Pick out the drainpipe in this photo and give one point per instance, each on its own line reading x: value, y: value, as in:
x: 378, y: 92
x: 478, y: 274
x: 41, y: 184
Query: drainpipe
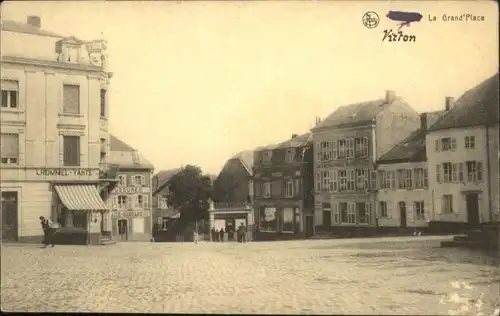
x: 488, y: 175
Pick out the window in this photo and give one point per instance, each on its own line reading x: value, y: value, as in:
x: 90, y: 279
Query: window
x: 470, y: 142
x: 140, y: 201
x: 447, y: 169
x: 71, y: 99
x: 9, y: 148
x: 318, y: 182
x: 447, y: 144
x: 350, y: 180
x: 71, y: 150
x: 123, y: 202
x: 373, y: 179
x: 461, y: 172
x: 290, y: 155
x: 336, y: 213
x: 342, y: 149
x: 164, y: 223
x: 343, y: 212
x: 288, y: 224
x: 138, y: 180
x: 267, y: 220
x: 383, y: 209
x: 289, y: 188
x: 358, y: 147
x: 334, y: 150
x: 326, y: 151
x: 447, y: 203
x: 326, y: 180
x: 327, y: 214
x: 267, y: 189
x: 267, y: 156
x: 404, y: 179
x: 365, y: 147
x: 392, y: 177
x: 474, y: 171
x: 438, y: 173
x: 10, y: 93
x: 123, y: 180
x: 351, y: 213
x: 383, y: 179
x: 362, y: 212
x: 361, y: 179
x: 103, y: 102
x: 419, y: 211
x: 334, y: 184
x: 454, y: 172
x: 426, y: 178
x: 419, y: 178
x: 350, y: 148
x: 343, y: 180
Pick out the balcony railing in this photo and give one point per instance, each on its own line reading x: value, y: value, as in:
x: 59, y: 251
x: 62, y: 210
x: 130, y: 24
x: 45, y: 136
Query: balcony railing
x: 108, y: 171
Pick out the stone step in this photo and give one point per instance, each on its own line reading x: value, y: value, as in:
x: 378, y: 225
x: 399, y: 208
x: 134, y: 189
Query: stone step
x: 107, y: 242
x: 471, y: 244
x: 463, y: 238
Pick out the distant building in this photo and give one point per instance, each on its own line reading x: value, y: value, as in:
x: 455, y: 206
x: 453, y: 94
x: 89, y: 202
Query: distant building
x: 347, y: 145
x: 233, y: 194
x: 403, y: 199
x: 54, y: 131
x: 463, y: 156
x: 131, y: 217
x: 283, y: 182
x: 162, y: 211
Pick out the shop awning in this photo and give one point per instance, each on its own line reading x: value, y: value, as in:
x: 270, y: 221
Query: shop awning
x: 83, y: 197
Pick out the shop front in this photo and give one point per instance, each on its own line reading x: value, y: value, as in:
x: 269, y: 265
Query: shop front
x: 228, y: 218
x: 279, y: 220
x: 131, y: 225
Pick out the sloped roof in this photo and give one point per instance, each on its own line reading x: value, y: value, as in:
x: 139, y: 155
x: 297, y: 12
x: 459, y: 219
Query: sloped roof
x: 297, y: 141
x: 19, y: 27
x: 125, y: 156
x: 410, y: 149
x: 477, y: 106
x: 356, y: 113
x: 165, y: 175
x: 246, y: 159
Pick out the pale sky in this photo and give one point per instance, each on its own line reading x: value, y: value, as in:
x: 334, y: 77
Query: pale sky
x: 196, y: 82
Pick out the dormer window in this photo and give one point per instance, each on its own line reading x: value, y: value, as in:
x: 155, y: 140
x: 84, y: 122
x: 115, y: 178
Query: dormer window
x: 266, y: 157
x: 69, y: 50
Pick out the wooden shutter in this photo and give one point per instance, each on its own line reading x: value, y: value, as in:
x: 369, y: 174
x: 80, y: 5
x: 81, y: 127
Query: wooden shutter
x: 479, y: 171
x: 297, y: 189
x: 454, y: 170
x: 129, y: 200
x: 318, y: 151
x: 461, y: 172
x: 132, y: 180
x: 145, y: 201
x: 438, y: 173
x: 114, y: 202
x: 334, y: 150
x: 437, y: 145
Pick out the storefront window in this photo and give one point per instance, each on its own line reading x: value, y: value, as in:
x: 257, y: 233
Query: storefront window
x: 268, y: 219
x: 80, y: 219
x: 288, y: 215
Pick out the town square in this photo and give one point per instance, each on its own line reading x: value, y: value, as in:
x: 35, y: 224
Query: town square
x: 249, y: 157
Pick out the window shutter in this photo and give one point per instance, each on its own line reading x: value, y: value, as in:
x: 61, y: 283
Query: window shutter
x: 71, y: 99
x: 145, y: 201
x: 143, y: 181
x: 426, y: 178
x: 437, y: 145
x: 453, y: 143
x: 158, y: 198
x: 438, y: 173
x: 454, y: 168
x: 318, y: 151
x: 128, y: 200
x: 334, y: 149
x: 373, y: 179
x: 114, y: 202
x: 461, y: 172
x: 124, y: 180
x: 479, y: 171
x: 132, y: 180
x: 297, y: 189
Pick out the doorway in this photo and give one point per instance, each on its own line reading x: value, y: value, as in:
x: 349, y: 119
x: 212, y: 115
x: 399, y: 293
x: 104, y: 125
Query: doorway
x: 309, y: 226
x: 472, y: 200
x: 327, y: 219
x: 402, y: 214
x: 122, y: 229
x: 9, y: 216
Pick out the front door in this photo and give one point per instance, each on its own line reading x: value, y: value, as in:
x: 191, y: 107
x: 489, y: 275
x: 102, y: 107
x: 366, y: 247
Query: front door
x: 327, y: 219
x: 472, y: 208
x: 9, y: 216
x: 123, y: 229
x: 309, y: 226
x: 402, y: 214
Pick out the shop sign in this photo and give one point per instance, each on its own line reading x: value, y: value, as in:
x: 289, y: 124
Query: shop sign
x: 277, y: 174
x: 129, y: 214
x: 269, y: 214
x: 65, y: 172
x: 127, y: 190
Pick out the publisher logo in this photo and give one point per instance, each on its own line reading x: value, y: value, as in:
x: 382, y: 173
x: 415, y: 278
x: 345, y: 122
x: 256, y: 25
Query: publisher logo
x: 371, y: 19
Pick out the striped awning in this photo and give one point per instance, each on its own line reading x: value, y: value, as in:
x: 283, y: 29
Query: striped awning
x: 82, y: 197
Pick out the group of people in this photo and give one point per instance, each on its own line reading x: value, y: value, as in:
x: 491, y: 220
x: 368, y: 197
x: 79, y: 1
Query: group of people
x: 218, y: 235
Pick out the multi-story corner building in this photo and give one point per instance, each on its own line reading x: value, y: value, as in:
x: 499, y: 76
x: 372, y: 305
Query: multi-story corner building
x: 284, y: 181
x: 162, y: 211
x: 54, y: 131
x: 402, y: 182
x: 462, y: 150
x: 347, y: 145
x: 233, y: 194
x: 131, y: 216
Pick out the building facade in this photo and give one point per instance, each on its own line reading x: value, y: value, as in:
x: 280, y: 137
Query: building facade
x: 233, y: 195
x: 54, y: 131
x: 162, y: 211
x: 283, y: 182
x: 131, y: 217
x: 347, y: 145
x: 462, y: 149
x: 403, y: 199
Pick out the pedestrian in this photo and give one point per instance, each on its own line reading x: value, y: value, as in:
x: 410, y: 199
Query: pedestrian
x: 195, y: 236
x: 213, y: 233
x: 222, y: 234
x: 49, y: 229
x: 241, y: 233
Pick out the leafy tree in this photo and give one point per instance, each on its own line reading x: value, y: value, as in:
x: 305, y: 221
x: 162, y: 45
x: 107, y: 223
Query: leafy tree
x: 189, y: 192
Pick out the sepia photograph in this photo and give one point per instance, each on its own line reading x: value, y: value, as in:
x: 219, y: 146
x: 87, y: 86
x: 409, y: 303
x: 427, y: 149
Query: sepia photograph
x: 250, y: 157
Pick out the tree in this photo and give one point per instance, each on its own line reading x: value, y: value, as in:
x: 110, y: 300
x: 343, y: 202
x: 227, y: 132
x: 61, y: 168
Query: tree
x: 189, y: 192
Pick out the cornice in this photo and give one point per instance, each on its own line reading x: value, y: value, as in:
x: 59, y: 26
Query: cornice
x: 71, y: 126
x: 49, y: 63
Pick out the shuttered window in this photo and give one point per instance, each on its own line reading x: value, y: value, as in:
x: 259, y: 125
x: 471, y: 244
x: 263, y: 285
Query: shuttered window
x: 71, y: 99
x: 71, y: 150
x: 10, y: 93
x: 103, y: 103
x: 9, y: 148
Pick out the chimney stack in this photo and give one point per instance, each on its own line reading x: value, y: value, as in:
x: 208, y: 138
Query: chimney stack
x: 294, y: 135
x: 390, y: 96
x: 449, y: 103
x: 423, y: 121
x: 34, y: 20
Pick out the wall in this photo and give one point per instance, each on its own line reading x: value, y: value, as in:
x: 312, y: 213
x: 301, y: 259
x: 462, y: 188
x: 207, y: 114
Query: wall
x: 232, y: 184
x: 394, y: 196
x: 494, y: 172
x: 456, y: 189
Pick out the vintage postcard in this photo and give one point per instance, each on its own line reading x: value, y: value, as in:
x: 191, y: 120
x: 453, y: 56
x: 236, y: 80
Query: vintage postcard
x: 250, y: 157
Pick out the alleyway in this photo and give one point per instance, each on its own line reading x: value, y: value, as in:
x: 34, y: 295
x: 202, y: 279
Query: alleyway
x: 366, y: 276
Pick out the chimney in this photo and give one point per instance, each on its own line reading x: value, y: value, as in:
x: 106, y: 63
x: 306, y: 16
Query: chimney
x: 449, y: 103
x: 423, y: 121
x: 34, y: 20
x: 294, y: 135
x: 390, y: 96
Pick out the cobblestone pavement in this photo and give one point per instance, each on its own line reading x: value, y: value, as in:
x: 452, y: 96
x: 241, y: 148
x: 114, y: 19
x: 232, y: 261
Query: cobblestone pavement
x: 362, y: 276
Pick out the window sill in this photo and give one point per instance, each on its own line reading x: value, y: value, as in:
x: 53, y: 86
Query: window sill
x: 71, y: 115
x: 103, y: 118
x: 11, y: 110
